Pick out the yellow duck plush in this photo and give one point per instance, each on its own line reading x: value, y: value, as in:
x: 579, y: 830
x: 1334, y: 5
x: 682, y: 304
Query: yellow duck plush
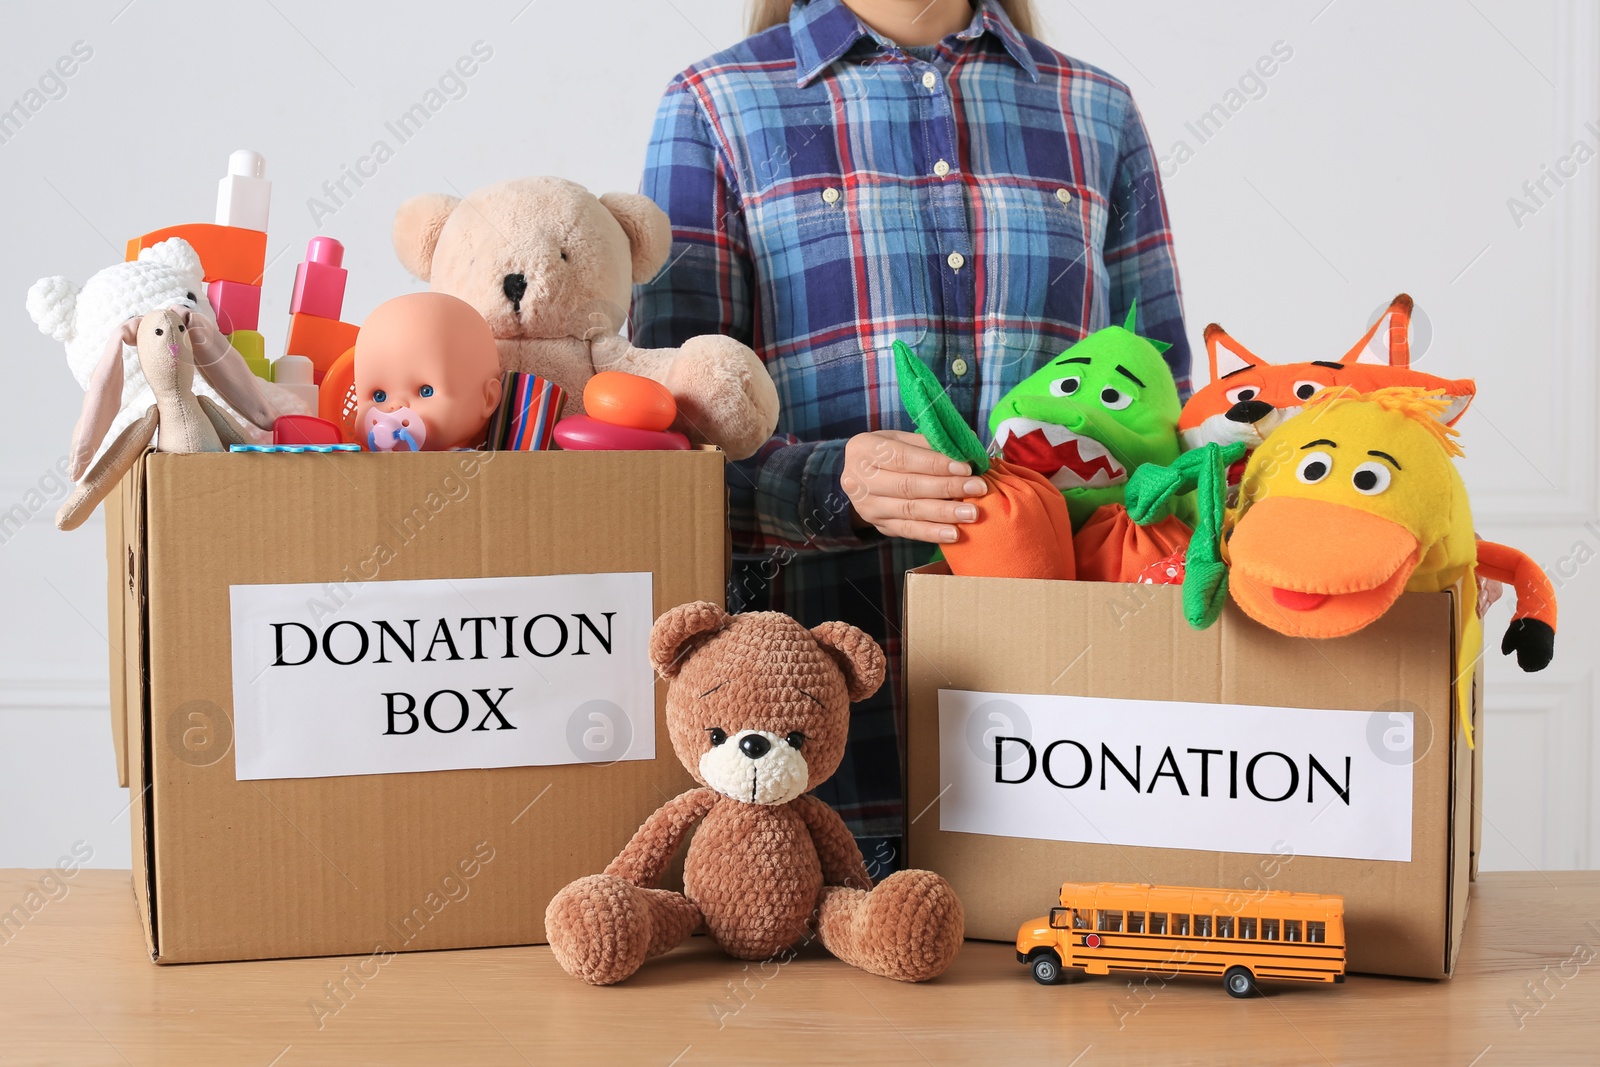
x: 1356, y: 500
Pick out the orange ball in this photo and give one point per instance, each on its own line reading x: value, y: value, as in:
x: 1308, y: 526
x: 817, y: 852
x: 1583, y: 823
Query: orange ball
x: 629, y: 400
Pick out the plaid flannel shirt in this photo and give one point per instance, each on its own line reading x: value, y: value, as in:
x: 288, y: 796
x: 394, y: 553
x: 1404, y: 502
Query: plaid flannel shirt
x: 830, y: 193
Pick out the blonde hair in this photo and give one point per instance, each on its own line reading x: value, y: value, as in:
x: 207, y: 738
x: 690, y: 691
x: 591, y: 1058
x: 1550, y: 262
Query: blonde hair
x: 1426, y: 407
x: 765, y: 14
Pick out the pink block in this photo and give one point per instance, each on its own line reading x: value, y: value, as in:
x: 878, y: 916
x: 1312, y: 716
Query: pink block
x: 319, y: 281
x: 238, y: 305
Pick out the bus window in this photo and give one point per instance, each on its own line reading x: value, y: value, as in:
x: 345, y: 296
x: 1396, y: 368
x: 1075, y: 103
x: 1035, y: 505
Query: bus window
x: 1224, y: 925
x: 1202, y: 926
x: 1135, y: 922
x: 1269, y: 929
x: 1180, y: 924
x: 1158, y: 922
x: 1247, y: 928
x: 1080, y: 919
x: 1316, y: 933
x: 1110, y: 921
x: 1291, y: 929
x: 1058, y: 918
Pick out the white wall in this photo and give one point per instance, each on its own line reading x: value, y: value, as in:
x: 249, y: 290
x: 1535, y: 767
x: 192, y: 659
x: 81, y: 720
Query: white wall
x: 1378, y: 158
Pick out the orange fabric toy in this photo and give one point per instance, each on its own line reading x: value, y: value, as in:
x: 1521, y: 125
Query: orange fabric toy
x: 758, y: 708
x: 1023, y: 529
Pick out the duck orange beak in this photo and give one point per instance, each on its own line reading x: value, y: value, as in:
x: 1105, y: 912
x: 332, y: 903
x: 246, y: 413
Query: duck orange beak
x: 1311, y: 568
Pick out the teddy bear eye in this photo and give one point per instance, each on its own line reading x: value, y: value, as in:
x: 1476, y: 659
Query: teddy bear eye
x: 189, y: 297
x: 718, y: 735
x: 159, y: 331
x: 796, y: 739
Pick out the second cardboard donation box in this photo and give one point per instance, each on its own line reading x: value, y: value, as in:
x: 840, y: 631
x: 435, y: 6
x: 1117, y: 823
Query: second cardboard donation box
x: 1081, y: 731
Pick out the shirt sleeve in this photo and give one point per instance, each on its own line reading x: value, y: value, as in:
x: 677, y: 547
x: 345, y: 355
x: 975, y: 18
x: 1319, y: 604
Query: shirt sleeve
x: 787, y: 495
x: 1138, y: 249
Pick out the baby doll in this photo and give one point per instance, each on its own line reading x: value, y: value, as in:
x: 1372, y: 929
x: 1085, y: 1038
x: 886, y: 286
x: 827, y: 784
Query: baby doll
x: 427, y: 375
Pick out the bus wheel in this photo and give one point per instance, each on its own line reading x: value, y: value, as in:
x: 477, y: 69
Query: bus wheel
x: 1240, y: 982
x: 1046, y: 968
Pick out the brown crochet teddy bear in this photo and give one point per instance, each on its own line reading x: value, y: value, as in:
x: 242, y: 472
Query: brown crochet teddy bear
x: 758, y: 709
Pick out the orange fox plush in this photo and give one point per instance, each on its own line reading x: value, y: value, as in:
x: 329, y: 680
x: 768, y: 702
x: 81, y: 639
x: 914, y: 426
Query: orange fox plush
x: 1248, y: 397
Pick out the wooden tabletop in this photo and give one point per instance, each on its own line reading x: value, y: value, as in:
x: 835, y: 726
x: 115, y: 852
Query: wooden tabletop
x: 76, y: 987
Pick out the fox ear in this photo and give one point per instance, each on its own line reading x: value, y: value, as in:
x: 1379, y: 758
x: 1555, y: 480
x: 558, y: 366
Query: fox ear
x: 1460, y: 393
x: 1227, y: 355
x: 1387, y: 342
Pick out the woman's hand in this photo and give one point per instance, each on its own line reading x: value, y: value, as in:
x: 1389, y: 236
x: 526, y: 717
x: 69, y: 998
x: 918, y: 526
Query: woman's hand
x: 903, y: 488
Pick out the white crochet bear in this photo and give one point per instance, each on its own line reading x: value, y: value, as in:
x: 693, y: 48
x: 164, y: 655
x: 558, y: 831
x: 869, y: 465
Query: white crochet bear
x: 167, y: 274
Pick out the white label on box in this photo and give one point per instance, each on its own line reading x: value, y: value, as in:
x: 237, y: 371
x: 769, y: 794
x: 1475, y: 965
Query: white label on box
x: 1177, y: 774
x: 385, y: 677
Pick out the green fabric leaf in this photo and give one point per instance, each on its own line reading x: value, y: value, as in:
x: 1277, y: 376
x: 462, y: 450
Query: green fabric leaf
x: 933, y: 413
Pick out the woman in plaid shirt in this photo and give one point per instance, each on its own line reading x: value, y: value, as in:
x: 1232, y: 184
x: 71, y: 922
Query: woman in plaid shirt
x: 865, y: 170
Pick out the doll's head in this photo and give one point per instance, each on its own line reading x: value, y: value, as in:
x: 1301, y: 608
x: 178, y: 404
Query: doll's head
x: 427, y: 375
x: 759, y: 706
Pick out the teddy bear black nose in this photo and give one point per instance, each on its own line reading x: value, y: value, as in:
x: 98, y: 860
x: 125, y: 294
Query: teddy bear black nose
x: 755, y: 746
x: 514, y: 286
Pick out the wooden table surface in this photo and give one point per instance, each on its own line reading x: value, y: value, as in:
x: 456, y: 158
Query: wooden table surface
x: 77, y: 988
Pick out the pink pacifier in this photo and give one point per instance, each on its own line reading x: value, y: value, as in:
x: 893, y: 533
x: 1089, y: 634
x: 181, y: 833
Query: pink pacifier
x: 400, y: 430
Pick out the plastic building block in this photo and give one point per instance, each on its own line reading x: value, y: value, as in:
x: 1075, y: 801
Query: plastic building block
x: 227, y: 253
x: 238, y: 305
x: 305, y: 430
x: 319, y: 280
x: 298, y: 375
x: 253, y: 347
x: 322, y: 340
x: 244, y: 196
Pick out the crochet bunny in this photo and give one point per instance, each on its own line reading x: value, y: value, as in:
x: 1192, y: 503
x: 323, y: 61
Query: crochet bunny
x: 167, y: 274
x: 172, y: 344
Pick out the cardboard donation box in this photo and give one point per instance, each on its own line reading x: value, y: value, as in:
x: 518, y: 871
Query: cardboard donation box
x: 1081, y: 731
x: 377, y: 703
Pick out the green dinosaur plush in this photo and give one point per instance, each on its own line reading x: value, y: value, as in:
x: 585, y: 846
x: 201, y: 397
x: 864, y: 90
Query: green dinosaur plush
x: 1091, y: 416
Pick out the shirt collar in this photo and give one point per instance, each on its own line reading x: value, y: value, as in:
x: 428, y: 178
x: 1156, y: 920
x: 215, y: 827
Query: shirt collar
x: 824, y: 30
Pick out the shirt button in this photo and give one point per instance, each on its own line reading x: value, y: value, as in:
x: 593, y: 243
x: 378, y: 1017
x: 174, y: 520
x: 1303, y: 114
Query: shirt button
x: 941, y: 168
x: 1064, y: 196
x: 830, y: 195
x: 956, y: 260
x: 929, y: 79
x: 958, y: 367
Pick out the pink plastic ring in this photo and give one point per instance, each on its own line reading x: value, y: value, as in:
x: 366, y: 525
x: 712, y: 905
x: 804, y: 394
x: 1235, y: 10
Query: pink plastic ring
x: 578, y: 433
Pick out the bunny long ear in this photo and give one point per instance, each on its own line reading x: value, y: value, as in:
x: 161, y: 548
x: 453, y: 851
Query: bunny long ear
x: 221, y: 365
x: 103, y: 399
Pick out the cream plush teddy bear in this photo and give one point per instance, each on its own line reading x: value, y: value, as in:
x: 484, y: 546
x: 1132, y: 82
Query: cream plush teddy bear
x: 83, y: 318
x: 550, y: 266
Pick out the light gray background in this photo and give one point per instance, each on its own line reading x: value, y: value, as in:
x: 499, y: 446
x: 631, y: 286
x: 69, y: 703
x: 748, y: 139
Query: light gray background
x: 1379, y: 158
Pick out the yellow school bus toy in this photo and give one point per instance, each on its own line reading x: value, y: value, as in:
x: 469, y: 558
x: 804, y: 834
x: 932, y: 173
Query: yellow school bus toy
x: 1239, y: 936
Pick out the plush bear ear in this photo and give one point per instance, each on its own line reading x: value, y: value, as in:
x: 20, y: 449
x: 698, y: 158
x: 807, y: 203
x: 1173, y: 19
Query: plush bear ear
x: 648, y: 229
x: 673, y: 636
x: 416, y: 230
x: 857, y: 654
x: 53, y: 306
